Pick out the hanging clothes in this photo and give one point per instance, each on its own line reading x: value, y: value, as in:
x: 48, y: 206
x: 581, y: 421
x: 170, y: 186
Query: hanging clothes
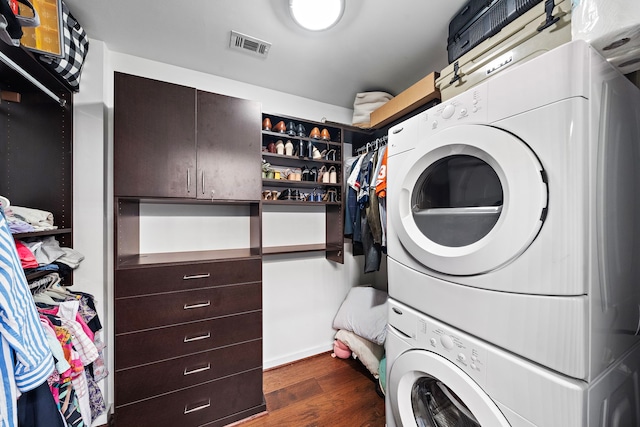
x: 365, y: 212
x: 25, y: 358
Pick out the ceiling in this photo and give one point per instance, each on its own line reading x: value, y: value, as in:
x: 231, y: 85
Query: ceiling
x: 383, y: 45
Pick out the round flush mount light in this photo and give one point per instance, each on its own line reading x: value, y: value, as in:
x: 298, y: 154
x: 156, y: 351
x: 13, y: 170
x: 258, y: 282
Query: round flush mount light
x: 316, y: 15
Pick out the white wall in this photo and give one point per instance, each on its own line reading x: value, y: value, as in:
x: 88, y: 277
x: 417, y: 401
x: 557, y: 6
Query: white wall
x: 301, y: 292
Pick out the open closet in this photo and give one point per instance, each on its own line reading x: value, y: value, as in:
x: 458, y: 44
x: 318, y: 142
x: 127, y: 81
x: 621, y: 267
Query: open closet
x: 36, y: 135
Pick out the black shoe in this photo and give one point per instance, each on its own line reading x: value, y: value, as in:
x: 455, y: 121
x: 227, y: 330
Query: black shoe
x: 302, y: 131
x: 291, y: 129
x: 285, y: 195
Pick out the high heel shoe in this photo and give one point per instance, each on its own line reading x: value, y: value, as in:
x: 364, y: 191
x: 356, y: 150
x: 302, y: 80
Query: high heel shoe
x: 280, y: 127
x: 288, y: 148
x: 330, y: 155
x: 321, y: 173
x: 313, y: 174
x: 330, y: 196
x: 333, y: 175
x: 315, y: 133
x: 305, y: 174
x: 266, y: 124
x: 291, y: 129
x: 316, y: 154
x: 302, y: 148
x: 279, y: 147
x: 324, y: 135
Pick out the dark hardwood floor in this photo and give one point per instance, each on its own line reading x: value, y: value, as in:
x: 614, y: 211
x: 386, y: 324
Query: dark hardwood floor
x: 320, y: 391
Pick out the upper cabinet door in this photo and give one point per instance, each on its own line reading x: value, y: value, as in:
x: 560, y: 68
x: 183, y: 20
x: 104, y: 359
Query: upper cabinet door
x: 154, y: 138
x: 228, y: 146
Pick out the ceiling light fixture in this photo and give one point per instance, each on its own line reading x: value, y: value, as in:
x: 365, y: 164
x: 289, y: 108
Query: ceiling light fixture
x: 316, y: 15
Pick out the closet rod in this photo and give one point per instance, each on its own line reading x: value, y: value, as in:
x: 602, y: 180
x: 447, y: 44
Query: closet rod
x: 372, y: 145
x: 4, y: 58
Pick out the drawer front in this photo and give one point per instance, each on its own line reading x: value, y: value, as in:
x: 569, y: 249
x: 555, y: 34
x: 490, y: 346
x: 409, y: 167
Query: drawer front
x: 150, y: 280
x: 137, y: 313
x: 139, y: 348
x: 163, y: 377
x: 196, y: 405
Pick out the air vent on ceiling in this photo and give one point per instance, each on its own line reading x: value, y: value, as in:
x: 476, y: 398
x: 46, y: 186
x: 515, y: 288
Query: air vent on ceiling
x: 249, y: 44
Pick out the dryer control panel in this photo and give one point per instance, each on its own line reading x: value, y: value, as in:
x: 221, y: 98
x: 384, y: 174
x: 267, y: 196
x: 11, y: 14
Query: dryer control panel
x: 467, y: 108
x: 426, y: 333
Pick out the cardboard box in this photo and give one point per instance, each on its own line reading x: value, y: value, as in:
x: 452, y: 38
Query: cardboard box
x: 416, y: 96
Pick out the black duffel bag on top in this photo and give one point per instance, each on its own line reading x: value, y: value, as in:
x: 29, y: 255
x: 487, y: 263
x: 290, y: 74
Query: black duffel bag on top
x: 75, y: 48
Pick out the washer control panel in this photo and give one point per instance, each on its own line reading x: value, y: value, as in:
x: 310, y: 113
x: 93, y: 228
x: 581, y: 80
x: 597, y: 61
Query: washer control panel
x: 421, y: 331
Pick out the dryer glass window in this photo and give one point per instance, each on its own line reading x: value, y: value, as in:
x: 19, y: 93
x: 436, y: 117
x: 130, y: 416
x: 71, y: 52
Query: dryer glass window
x: 457, y: 200
x: 435, y: 405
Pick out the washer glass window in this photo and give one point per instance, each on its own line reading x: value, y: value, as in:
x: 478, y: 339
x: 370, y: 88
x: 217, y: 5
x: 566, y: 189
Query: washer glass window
x: 435, y: 405
x: 457, y: 200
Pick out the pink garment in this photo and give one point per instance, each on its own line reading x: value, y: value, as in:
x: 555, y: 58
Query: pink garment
x: 27, y: 259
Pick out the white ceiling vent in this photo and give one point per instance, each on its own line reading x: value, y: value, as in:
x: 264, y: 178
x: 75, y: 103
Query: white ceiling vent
x: 249, y: 44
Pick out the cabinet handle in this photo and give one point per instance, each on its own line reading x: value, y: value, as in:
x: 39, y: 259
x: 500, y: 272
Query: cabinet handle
x: 196, y: 276
x: 197, y: 408
x: 198, y: 338
x: 202, y: 182
x: 395, y: 131
x: 196, y: 370
x: 198, y: 305
x: 188, y: 180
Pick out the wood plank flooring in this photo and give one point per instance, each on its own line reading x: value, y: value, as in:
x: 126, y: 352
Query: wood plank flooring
x: 320, y: 391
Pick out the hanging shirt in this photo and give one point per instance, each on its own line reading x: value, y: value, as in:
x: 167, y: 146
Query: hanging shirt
x: 381, y: 180
x: 25, y: 358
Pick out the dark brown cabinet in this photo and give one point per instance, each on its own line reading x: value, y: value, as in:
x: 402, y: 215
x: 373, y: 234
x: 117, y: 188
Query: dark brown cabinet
x: 177, y: 141
x: 188, y: 324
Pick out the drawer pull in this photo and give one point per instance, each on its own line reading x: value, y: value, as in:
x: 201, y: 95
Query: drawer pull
x: 196, y: 370
x: 197, y: 408
x: 198, y: 305
x: 196, y: 276
x: 198, y: 338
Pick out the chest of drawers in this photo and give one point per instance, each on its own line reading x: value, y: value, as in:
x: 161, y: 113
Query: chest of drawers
x: 188, y: 343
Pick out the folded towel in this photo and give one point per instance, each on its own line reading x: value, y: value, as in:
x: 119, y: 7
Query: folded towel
x: 42, y: 220
x: 366, y: 103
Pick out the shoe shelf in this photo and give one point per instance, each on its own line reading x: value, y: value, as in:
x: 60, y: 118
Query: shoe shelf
x: 283, y: 136
x: 303, y: 184
x: 308, y: 150
x: 295, y: 160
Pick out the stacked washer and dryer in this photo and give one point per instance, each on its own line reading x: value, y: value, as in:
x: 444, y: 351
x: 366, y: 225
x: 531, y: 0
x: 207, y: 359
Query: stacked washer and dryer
x: 514, y: 251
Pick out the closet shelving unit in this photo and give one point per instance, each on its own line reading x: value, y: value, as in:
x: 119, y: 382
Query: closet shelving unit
x: 334, y: 212
x: 36, y: 130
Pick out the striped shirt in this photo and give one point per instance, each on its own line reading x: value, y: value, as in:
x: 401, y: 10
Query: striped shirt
x: 25, y: 358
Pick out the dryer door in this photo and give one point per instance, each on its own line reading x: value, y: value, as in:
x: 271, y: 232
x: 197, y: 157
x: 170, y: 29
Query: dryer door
x: 426, y: 389
x: 468, y: 200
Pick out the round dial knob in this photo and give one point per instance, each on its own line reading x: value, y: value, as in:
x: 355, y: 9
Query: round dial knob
x: 446, y: 342
x: 448, y: 111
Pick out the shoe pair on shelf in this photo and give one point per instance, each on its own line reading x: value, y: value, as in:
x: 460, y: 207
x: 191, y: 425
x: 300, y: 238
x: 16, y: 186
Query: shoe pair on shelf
x: 330, y: 196
x: 291, y: 129
x: 270, y: 195
x: 290, y: 194
x: 328, y: 176
x: 309, y: 175
x: 317, y: 134
x: 329, y: 155
x: 293, y: 174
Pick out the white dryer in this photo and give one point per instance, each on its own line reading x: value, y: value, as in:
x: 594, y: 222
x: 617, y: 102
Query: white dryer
x: 439, y: 376
x: 513, y: 211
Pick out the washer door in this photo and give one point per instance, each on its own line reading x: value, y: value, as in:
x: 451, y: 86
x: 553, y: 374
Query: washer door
x: 468, y: 200
x: 427, y: 390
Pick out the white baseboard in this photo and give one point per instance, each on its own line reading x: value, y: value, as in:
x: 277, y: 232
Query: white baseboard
x: 292, y: 357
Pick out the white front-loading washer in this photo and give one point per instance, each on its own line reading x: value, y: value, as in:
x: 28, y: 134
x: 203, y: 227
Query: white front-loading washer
x: 439, y: 376
x: 513, y: 211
